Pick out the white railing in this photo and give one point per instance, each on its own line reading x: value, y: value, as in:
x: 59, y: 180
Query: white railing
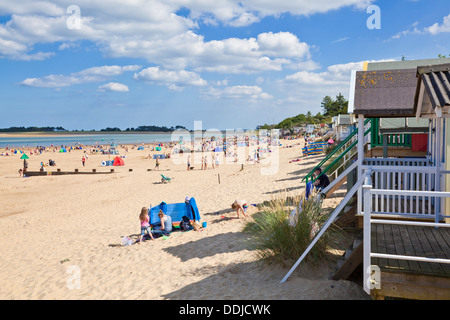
x: 415, y: 162
x: 371, y: 281
x: 403, y: 175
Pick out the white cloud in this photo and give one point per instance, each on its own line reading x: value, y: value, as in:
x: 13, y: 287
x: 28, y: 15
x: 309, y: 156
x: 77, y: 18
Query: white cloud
x: 113, y: 86
x: 249, y: 11
x: 174, y: 80
x: 434, y: 29
x: 95, y: 74
x: 440, y: 28
x: 334, y: 75
x: 152, y: 30
x: 237, y: 92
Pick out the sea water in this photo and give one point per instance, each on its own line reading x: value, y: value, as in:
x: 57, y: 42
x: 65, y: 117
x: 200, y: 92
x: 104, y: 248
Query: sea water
x: 85, y: 139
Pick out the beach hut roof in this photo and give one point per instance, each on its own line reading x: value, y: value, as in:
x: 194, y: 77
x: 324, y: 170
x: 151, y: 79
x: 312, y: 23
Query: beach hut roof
x: 435, y: 82
x: 385, y: 93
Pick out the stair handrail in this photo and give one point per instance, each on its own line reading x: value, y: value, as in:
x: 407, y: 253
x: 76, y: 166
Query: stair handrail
x: 336, y: 149
x: 330, y: 220
x: 339, y: 157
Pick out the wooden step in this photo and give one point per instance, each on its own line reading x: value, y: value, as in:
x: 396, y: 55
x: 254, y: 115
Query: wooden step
x: 337, y: 186
x: 349, y: 261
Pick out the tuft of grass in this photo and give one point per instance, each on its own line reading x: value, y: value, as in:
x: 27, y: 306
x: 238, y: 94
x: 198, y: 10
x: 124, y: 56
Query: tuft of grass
x: 276, y: 238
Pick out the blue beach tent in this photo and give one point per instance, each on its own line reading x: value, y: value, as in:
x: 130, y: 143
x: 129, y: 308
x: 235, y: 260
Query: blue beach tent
x: 176, y: 211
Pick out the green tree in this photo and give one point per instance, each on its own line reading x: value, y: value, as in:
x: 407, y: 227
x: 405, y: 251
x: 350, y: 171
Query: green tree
x: 332, y: 107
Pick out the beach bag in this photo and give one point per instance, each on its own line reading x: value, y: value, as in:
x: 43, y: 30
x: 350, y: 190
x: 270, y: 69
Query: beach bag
x: 185, y: 224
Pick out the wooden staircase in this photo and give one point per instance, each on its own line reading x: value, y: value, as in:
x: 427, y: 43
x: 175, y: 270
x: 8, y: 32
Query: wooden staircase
x: 350, y: 260
x: 336, y: 186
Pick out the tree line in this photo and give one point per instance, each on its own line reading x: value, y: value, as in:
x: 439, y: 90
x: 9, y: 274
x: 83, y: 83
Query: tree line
x: 107, y: 129
x: 330, y: 108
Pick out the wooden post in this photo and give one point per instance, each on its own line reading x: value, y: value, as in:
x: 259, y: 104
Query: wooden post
x: 360, y: 158
x: 130, y: 170
x: 112, y: 170
x: 385, y: 146
x: 367, y: 236
x: 94, y: 170
x: 76, y: 170
x: 438, y: 149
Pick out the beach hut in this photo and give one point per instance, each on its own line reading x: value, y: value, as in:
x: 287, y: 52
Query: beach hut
x: 401, y: 196
x: 118, y: 162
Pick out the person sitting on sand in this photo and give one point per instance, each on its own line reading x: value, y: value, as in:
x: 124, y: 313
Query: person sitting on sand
x: 321, y: 183
x: 166, y: 224
x: 145, y: 224
x: 240, y: 205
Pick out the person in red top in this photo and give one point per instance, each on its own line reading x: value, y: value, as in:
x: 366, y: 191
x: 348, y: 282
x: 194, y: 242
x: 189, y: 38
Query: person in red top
x: 83, y: 160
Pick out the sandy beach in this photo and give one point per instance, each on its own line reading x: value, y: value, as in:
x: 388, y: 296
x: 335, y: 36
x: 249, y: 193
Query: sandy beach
x: 55, y: 227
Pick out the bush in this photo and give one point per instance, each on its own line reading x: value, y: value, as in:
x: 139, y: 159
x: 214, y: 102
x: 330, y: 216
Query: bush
x: 277, y: 238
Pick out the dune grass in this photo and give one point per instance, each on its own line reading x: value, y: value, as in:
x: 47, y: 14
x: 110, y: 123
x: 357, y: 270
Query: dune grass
x: 276, y: 237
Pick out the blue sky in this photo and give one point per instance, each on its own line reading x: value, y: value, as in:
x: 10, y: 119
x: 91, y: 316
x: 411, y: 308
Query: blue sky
x: 230, y: 64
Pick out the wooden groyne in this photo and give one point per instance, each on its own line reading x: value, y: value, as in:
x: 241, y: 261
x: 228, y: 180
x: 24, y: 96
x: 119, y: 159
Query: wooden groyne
x: 58, y: 172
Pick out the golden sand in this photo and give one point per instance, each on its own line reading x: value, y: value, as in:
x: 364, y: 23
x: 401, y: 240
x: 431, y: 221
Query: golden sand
x: 60, y: 236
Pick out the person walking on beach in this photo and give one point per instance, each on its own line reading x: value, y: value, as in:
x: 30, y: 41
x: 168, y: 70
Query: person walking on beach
x: 145, y: 224
x: 206, y: 162
x: 217, y: 160
x: 25, y: 166
x: 83, y: 160
x: 157, y: 164
x: 188, y: 162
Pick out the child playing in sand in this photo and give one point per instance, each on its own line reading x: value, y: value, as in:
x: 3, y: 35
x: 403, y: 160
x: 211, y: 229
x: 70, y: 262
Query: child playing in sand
x: 240, y: 205
x: 145, y: 224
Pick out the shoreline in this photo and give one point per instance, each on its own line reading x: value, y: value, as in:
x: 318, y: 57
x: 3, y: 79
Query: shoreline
x: 71, y: 133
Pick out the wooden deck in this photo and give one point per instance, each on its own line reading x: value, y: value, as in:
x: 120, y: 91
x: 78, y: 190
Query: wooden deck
x: 412, y: 279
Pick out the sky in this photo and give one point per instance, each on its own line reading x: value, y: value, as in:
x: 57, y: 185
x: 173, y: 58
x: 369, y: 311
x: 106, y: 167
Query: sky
x: 93, y: 64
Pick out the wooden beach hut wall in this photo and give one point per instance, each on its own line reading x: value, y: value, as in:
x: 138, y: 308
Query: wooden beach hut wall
x: 343, y: 125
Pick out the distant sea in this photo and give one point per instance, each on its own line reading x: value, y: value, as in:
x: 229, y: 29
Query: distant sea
x: 85, y: 139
